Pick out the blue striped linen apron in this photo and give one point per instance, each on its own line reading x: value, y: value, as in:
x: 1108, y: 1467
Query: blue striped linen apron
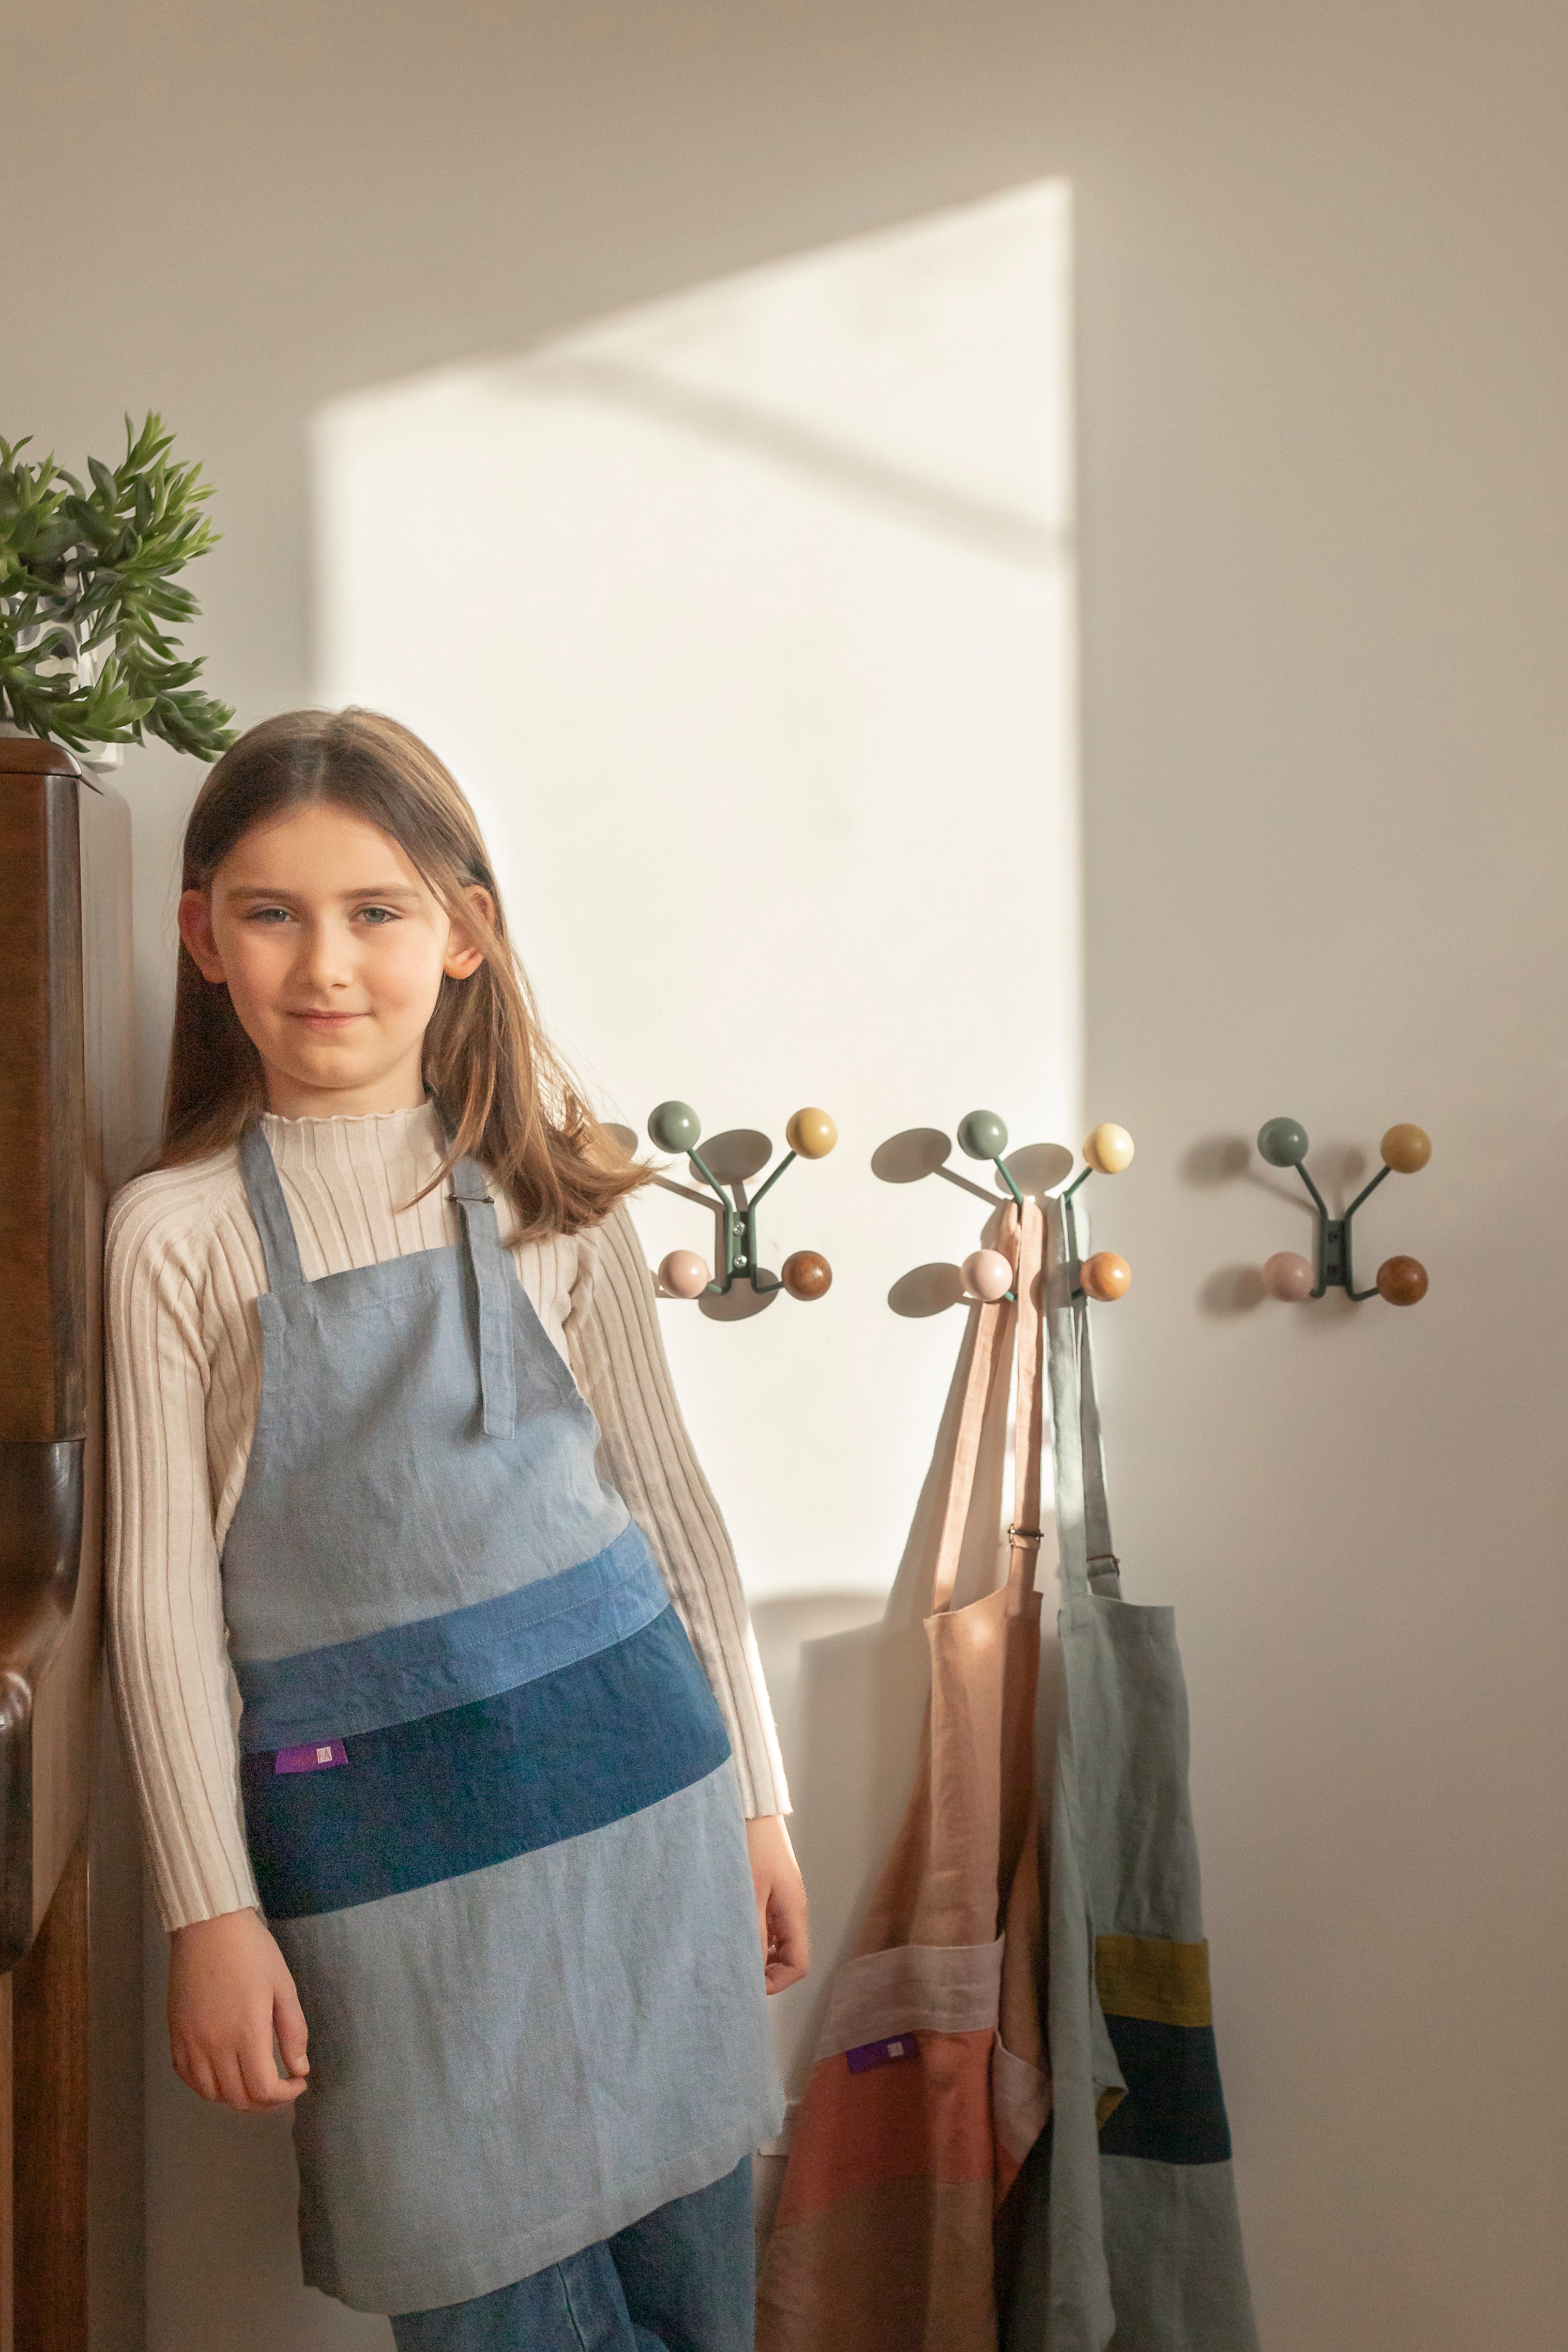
x: 487, y: 1793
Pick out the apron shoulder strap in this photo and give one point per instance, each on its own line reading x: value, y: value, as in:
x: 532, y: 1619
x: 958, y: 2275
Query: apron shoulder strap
x: 493, y: 1280
x: 1082, y: 1513
x: 269, y: 1210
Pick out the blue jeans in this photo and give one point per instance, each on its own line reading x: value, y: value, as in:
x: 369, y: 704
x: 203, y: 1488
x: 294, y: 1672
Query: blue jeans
x: 681, y: 2280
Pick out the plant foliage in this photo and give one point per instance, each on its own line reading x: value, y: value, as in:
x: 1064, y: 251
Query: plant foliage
x: 88, y: 598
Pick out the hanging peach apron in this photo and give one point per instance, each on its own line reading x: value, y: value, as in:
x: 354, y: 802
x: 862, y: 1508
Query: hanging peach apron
x: 929, y: 2086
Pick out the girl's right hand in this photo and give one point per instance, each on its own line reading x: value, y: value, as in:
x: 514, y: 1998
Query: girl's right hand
x: 230, y: 1993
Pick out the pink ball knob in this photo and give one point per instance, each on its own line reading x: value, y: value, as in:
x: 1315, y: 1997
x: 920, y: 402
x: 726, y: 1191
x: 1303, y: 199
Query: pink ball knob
x: 987, y: 1276
x: 1286, y: 1276
x: 683, y: 1274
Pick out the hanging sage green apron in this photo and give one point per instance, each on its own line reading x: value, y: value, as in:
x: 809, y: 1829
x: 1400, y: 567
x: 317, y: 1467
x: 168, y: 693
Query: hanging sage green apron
x: 1131, y: 2236
x: 487, y: 1793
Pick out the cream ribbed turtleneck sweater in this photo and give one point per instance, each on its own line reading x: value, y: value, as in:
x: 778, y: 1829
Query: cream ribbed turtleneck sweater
x: 184, y: 1268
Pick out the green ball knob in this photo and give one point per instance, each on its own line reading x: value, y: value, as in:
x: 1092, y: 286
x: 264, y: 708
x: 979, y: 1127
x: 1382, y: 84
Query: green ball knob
x: 674, y: 1127
x: 982, y: 1135
x: 1282, y: 1142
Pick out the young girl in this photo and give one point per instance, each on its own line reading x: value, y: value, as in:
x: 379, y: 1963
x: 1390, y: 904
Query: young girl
x: 388, y: 1402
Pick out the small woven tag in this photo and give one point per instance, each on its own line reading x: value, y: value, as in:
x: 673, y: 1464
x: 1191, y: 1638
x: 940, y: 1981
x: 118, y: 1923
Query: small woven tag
x: 882, y: 2053
x: 319, y: 1756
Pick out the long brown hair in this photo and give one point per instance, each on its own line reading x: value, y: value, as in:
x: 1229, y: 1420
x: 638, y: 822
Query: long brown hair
x: 503, y: 1091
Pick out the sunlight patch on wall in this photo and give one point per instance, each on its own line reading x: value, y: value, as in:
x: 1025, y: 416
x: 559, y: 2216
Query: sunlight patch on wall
x: 746, y: 619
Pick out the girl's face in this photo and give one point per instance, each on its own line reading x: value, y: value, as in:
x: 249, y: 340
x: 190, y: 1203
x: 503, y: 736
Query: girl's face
x: 333, y: 949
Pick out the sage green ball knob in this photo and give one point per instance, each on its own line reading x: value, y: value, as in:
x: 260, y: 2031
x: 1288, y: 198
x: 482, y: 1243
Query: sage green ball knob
x: 674, y: 1127
x: 1406, y: 1149
x: 1282, y: 1142
x: 982, y: 1135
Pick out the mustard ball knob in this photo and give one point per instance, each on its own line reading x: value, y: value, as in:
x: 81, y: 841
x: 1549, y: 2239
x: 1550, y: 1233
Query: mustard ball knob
x: 1108, y: 1149
x: 987, y: 1276
x: 1105, y: 1276
x: 683, y: 1274
x: 806, y: 1274
x: 1286, y: 1276
x: 674, y: 1127
x: 1406, y: 1149
x: 1401, y: 1280
x: 811, y: 1134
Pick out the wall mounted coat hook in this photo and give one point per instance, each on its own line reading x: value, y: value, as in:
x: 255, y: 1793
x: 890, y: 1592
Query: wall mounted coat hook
x: 1107, y: 1150
x: 674, y: 1127
x: 1401, y: 1280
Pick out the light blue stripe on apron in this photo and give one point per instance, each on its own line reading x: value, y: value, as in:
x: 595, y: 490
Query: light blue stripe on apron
x: 433, y: 1663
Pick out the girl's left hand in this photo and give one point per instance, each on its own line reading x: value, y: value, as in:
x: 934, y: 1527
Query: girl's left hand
x: 780, y: 1901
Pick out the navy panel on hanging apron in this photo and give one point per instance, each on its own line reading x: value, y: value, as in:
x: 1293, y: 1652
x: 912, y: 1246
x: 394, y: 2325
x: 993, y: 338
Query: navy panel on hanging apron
x: 487, y: 1792
x: 1129, y: 2233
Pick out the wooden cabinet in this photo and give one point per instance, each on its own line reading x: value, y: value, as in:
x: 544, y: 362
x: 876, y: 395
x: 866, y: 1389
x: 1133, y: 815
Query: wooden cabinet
x: 65, y: 1079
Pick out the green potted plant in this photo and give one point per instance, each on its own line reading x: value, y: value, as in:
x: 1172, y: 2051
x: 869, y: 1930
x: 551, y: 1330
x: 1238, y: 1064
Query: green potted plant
x: 88, y: 598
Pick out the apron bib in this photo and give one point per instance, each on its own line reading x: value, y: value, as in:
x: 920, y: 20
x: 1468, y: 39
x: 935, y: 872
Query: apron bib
x: 487, y: 1792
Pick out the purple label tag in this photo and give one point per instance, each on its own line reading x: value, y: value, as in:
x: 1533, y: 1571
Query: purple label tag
x: 882, y: 2053
x: 316, y: 1758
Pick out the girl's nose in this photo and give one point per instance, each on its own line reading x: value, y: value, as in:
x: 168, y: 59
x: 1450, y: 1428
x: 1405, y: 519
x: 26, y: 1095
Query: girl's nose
x: 327, y: 957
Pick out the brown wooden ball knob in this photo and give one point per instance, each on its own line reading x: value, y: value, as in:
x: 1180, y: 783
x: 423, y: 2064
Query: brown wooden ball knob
x: 806, y: 1275
x: 1406, y: 1149
x: 1105, y: 1276
x: 1402, y: 1281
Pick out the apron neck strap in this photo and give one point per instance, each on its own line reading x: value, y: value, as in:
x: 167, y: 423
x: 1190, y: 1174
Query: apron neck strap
x: 269, y: 1211
x: 990, y: 1363
x: 493, y: 1280
x: 1026, y: 1535
x: 1082, y: 1513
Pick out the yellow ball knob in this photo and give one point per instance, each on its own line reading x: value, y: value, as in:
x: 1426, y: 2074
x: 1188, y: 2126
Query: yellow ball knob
x: 1108, y: 1149
x: 811, y: 1134
x: 1105, y: 1276
x: 1406, y: 1149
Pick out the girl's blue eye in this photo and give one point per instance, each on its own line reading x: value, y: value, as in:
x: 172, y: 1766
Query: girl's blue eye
x: 269, y: 915
x: 378, y: 915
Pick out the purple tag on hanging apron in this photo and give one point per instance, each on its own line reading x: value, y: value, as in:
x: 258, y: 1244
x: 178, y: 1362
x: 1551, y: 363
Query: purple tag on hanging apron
x: 315, y: 1757
x: 882, y: 2053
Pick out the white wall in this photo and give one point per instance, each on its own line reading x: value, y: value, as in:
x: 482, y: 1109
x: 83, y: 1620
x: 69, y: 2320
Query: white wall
x: 1324, y: 595
x: 1323, y: 348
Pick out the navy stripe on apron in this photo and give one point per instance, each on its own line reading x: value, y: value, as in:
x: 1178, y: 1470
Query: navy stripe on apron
x: 1173, y: 2112
x: 434, y: 1663
x: 450, y: 1793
